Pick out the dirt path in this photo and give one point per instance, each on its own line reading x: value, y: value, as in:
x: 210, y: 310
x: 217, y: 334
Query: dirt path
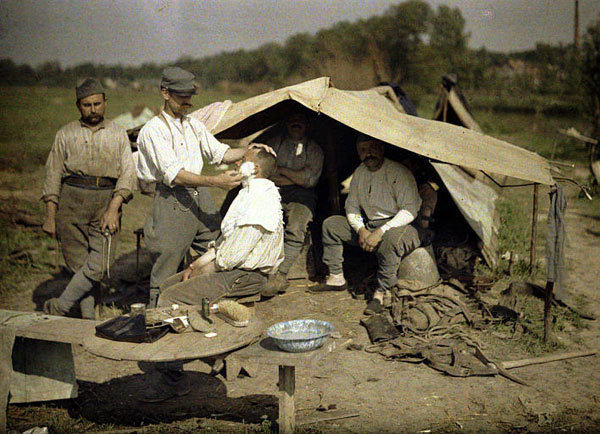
x: 389, y: 396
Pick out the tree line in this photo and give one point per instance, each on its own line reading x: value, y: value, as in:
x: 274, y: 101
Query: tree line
x: 411, y: 44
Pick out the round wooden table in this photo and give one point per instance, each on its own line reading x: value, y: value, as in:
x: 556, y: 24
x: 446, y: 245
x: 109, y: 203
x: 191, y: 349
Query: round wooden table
x: 178, y: 346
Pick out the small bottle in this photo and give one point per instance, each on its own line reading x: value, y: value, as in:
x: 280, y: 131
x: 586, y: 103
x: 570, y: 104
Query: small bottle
x: 205, y: 308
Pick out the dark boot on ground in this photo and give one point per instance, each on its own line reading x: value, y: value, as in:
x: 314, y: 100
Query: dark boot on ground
x: 276, y: 284
x: 52, y: 307
x: 170, y: 384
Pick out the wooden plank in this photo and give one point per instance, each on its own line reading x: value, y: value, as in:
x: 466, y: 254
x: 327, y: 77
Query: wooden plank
x: 177, y: 346
x: 546, y: 359
x: 36, y: 325
x: 323, y: 416
x: 7, y: 338
x: 287, y: 390
x: 267, y: 353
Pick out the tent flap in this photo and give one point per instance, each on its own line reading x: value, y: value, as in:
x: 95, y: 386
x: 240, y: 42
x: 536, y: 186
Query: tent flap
x: 373, y: 114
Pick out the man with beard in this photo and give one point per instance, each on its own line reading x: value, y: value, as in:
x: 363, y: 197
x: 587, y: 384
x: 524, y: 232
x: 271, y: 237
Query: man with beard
x: 90, y: 173
x: 382, y: 203
x: 171, y: 147
x: 299, y: 166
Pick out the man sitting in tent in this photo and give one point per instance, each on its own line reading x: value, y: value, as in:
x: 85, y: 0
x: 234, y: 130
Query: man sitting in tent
x: 299, y: 166
x: 382, y: 203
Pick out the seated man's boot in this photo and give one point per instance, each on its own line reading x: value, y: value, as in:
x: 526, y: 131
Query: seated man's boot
x: 276, y: 284
x: 52, y: 307
x: 168, y: 385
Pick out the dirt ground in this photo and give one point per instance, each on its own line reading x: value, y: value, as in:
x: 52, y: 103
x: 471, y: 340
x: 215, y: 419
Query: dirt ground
x: 388, y: 396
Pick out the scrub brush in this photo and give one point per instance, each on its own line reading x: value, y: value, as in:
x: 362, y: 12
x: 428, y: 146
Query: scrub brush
x: 234, y: 313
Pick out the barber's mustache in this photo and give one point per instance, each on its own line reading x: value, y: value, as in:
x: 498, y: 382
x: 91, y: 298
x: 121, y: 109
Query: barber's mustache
x: 372, y: 158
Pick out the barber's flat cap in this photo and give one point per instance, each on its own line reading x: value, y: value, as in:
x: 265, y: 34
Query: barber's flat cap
x: 178, y: 81
x: 88, y: 86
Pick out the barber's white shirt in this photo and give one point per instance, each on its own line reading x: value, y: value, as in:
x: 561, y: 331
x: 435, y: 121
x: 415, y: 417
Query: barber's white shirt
x: 166, y: 148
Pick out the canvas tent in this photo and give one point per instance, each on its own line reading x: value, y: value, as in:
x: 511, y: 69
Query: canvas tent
x: 452, y: 107
x: 374, y: 113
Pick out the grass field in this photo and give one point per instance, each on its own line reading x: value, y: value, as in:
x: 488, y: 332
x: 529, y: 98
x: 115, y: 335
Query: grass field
x: 31, y: 117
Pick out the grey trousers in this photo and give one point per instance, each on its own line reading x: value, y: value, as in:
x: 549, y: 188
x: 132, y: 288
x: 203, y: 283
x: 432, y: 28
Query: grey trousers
x: 83, y: 244
x: 298, y: 205
x: 395, y: 244
x: 230, y: 284
x: 180, y: 218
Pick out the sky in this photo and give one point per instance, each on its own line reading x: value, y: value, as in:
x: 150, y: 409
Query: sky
x: 132, y: 32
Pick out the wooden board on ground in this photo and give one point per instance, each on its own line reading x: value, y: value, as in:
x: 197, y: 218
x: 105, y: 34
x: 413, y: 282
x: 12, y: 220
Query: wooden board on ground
x: 178, y: 346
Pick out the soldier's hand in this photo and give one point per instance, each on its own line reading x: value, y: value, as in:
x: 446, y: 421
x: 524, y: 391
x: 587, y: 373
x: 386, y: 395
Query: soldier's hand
x: 110, y: 221
x: 228, y: 179
x: 186, y: 274
x: 373, y: 240
x: 49, y: 226
x: 363, y: 234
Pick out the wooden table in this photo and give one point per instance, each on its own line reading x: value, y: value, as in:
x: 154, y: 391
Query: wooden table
x: 266, y: 352
x: 178, y: 346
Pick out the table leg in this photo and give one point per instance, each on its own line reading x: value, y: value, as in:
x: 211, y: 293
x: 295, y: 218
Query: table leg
x: 287, y: 389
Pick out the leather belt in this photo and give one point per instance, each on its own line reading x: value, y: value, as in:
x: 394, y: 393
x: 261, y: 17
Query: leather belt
x: 91, y: 182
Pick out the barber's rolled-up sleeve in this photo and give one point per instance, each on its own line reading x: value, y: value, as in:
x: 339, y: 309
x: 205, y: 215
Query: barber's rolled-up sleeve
x: 55, y: 169
x: 157, y: 161
x: 212, y: 150
x: 235, y: 249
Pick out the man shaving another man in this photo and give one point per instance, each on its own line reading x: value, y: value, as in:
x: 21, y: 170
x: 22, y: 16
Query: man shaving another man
x: 249, y: 248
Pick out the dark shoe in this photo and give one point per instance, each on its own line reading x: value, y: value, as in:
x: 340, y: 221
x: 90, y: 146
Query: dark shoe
x: 276, y: 284
x: 323, y: 287
x: 373, y: 308
x: 166, y: 389
x: 51, y: 307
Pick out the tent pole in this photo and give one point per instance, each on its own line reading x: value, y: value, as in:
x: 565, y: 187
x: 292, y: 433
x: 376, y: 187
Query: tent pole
x: 547, y: 310
x: 533, y: 229
x: 332, y: 175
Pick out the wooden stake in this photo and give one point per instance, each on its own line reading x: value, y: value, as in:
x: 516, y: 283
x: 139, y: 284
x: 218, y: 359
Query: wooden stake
x: 546, y: 359
x: 533, y: 229
x: 547, y: 311
x: 332, y: 174
x: 287, y: 389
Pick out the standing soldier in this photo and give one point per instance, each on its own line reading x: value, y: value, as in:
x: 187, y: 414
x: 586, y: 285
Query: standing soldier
x: 172, y: 147
x: 90, y: 173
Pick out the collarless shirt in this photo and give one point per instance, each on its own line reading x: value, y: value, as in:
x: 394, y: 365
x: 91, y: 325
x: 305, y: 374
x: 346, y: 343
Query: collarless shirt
x: 79, y: 149
x: 167, y: 144
x: 382, y: 194
x: 298, y: 155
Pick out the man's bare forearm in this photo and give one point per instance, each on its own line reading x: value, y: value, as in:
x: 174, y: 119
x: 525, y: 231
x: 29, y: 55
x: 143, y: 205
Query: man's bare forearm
x: 189, y: 179
x: 234, y: 154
